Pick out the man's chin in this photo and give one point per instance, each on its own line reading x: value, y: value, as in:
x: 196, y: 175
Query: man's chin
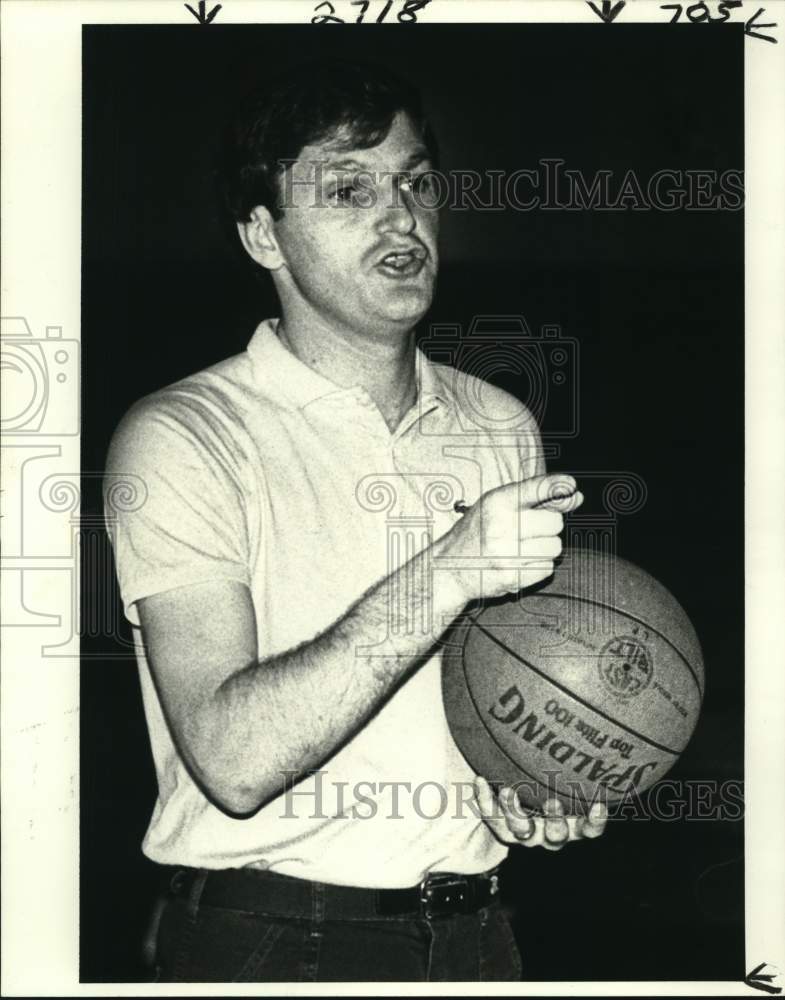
x: 405, y: 308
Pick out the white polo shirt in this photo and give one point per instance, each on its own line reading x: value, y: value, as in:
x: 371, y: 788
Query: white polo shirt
x: 259, y: 469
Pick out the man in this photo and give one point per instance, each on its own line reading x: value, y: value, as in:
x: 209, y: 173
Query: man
x: 290, y: 660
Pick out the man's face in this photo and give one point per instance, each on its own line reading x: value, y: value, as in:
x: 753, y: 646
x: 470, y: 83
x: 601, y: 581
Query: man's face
x: 357, y: 236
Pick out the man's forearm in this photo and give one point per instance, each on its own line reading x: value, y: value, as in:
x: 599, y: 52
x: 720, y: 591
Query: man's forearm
x: 288, y: 713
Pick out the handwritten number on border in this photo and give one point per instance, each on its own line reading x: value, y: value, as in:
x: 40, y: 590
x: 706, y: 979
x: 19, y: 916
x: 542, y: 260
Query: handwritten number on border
x: 696, y: 13
x: 324, y: 13
x: 700, y: 13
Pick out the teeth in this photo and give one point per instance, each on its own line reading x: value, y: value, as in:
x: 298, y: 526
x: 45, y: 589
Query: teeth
x: 399, y: 259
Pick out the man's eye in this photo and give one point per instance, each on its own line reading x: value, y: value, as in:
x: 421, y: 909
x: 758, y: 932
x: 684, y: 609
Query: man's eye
x: 347, y: 194
x: 421, y: 183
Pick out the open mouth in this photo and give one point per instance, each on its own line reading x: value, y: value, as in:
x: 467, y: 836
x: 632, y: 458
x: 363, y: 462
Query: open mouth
x: 402, y: 264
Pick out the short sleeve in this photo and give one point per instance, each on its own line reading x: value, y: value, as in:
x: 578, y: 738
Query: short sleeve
x: 173, y: 503
x: 529, y: 455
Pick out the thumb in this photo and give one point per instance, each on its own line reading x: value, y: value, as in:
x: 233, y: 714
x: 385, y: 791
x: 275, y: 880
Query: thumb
x: 554, y: 491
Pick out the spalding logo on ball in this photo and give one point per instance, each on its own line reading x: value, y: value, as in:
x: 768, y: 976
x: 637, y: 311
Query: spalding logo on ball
x: 588, y: 688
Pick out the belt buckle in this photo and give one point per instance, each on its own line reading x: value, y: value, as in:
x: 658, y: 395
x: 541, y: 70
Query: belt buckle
x: 441, y: 895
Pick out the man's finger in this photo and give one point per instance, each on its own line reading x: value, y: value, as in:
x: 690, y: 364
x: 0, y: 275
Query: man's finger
x: 594, y: 824
x: 557, y: 831
x: 563, y: 504
x: 541, y: 523
x: 550, y: 488
x: 520, y: 822
x: 545, y: 547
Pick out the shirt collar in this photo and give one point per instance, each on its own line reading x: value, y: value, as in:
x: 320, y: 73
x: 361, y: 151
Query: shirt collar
x: 285, y: 375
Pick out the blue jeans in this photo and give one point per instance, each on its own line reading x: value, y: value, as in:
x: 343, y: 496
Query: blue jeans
x: 200, y: 942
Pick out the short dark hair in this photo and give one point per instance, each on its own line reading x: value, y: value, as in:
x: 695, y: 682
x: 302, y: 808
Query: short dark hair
x: 305, y: 105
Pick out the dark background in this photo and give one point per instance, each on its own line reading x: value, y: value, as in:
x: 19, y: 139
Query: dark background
x: 655, y: 301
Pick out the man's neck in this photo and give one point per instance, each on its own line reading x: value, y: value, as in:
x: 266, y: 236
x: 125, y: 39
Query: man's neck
x: 384, y: 368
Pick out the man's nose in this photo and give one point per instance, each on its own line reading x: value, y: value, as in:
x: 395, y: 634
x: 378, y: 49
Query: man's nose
x: 397, y: 213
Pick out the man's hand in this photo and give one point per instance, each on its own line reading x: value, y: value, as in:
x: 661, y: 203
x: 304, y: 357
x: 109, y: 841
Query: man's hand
x: 512, y: 534
x: 513, y: 824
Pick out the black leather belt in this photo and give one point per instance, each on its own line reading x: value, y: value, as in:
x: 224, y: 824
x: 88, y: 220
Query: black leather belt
x: 441, y: 894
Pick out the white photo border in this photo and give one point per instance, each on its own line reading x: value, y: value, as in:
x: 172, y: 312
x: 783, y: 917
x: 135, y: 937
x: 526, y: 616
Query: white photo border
x: 41, y: 240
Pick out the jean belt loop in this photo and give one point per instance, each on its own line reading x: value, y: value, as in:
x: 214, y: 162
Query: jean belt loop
x: 318, y: 901
x: 195, y: 893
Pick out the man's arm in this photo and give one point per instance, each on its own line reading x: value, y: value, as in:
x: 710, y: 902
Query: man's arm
x: 241, y: 725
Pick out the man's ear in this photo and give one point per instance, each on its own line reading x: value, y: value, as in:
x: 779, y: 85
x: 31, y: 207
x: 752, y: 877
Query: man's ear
x: 258, y: 237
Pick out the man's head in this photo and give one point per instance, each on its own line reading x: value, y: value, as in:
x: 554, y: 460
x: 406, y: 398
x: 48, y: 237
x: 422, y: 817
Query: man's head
x: 302, y: 107
x: 323, y: 177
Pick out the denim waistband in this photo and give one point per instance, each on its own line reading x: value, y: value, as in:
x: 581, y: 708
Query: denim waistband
x: 254, y: 890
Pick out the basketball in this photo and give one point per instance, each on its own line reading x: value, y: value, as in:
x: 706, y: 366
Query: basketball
x: 586, y: 688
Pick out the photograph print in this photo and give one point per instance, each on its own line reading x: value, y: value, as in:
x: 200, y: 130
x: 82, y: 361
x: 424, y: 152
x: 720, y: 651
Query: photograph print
x: 413, y: 376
